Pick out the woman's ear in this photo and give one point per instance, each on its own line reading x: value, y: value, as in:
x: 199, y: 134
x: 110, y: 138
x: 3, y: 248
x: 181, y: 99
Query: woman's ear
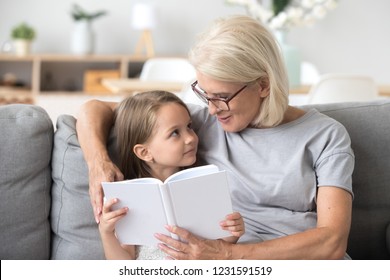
x: 142, y: 152
x: 264, y: 89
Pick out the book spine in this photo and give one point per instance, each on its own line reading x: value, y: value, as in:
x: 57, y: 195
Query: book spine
x: 169, y: 213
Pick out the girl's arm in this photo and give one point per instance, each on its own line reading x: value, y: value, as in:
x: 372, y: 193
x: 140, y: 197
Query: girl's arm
x: 113, y: 250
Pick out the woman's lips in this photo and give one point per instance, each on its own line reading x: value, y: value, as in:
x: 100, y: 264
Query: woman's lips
x: 223, y: 119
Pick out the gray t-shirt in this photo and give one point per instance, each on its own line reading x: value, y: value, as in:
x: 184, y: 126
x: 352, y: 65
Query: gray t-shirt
x: 274, y: 172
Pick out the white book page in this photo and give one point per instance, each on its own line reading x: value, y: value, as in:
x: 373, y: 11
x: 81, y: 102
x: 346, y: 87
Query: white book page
x: 192, y: 172
x: 201, y: 203
x: 146, y: 214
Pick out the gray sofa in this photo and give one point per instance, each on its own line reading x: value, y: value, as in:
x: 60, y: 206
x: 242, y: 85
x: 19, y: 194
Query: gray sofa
x: 45, y: 211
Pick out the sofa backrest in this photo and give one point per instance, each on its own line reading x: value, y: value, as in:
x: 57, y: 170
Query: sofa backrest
x: 368, y: 125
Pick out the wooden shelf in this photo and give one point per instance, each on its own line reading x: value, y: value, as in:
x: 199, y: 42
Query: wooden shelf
x: 38, y: 60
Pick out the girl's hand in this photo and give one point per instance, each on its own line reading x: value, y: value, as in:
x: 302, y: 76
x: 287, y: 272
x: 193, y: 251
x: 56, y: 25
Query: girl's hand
x: 109, y: 218
x: 234, y: 223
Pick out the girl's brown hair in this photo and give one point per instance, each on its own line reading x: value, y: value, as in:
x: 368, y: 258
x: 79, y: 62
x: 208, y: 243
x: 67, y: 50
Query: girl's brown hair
x: 135, y: 119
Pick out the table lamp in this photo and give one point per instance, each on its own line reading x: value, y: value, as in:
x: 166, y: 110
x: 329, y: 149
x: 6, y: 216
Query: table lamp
x: 144, y: 18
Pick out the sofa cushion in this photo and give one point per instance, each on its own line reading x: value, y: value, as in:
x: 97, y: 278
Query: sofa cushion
x: 25, y: 151
x: 75, y: 232
x: 368, y: 125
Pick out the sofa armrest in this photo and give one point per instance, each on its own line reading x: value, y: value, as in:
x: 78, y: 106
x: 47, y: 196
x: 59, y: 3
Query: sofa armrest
x: 26, y: 141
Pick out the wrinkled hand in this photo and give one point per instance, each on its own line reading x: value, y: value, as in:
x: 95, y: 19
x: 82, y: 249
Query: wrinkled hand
x: 101, y: 171
x: 192, y: 247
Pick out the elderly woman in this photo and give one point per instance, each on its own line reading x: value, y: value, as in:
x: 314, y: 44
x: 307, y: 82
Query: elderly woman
x: 290, y: 169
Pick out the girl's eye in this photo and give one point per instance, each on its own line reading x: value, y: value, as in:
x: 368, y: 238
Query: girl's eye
x: 190, y: 126
x: 175, y: 132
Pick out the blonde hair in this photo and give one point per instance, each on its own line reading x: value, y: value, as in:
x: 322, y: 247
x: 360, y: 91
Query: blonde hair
x: 240, y: 49
x: 135, y: 119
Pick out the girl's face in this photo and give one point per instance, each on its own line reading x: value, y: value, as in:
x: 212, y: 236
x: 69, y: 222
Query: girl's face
x: 173, y: 143
x: 244, y: 107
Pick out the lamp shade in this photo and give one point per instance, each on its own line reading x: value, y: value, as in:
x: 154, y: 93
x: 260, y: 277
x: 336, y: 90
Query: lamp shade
x: 143, y: 16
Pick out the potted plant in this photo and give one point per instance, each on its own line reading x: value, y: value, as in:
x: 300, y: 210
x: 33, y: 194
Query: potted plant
x: 83, y: 36
x: 22, y: 36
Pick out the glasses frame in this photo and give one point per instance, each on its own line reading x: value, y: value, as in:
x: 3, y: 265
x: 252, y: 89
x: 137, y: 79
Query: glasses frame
x: 202, y: 96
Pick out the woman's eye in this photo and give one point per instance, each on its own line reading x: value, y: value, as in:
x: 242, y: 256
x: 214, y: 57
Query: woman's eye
x: 219, y: 97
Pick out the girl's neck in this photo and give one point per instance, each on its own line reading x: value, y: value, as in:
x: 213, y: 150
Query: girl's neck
x: 163, y: 173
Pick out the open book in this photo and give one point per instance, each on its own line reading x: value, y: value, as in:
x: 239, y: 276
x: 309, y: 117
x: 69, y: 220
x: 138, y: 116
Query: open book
x: 196, y: 199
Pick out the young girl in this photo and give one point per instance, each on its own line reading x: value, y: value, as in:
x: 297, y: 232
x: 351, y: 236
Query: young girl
x: 154, y: 139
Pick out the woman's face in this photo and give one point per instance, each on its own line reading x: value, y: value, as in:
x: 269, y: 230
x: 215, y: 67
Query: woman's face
x: 173, y: 142
x: 244, y: 107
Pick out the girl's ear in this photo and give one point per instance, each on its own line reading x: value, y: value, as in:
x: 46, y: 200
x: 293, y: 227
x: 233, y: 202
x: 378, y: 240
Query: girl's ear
x: 142, y: 152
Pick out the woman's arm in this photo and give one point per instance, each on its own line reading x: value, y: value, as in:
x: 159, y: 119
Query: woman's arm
x: 93, y: 125
x: 327, y: 241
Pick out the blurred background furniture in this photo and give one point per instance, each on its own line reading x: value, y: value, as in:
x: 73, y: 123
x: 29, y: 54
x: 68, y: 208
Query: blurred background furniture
x: 166, y: 69
x: 309, y: 73
x: 144, y: 19
x: 162, y: 73
x: 64, y: 72
x: 333, y: 88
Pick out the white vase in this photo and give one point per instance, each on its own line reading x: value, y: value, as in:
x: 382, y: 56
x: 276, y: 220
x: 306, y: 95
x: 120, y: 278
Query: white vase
x: 83, y: 38
x: 292, y: 59
x: 21, y: 47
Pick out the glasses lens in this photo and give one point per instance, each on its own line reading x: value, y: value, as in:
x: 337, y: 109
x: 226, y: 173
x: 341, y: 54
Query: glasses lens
x: 221, y: 105
x: 200, y: 94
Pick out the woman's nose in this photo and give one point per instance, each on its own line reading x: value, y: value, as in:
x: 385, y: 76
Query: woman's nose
x: 213, y: 109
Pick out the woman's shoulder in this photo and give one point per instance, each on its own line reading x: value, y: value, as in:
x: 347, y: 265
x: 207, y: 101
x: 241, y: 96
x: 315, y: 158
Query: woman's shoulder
x: 292, y: 114
x: 309, y: 115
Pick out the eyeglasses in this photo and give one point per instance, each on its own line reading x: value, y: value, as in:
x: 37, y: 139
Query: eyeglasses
x: 219, y: 102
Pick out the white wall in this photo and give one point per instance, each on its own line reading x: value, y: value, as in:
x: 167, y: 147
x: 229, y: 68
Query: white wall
x: 353, y: 38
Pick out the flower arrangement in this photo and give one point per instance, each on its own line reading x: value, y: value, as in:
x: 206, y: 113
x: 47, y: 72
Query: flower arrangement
x: 285, y: 14
x: 80, y: 14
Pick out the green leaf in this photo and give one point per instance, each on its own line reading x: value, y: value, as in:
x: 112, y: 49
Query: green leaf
x: 79, y: 13
x: 279, y: 5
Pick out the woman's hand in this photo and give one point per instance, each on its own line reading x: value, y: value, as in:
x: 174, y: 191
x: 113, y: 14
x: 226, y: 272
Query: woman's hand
x: 192, y: 247
x: 101, y: 171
